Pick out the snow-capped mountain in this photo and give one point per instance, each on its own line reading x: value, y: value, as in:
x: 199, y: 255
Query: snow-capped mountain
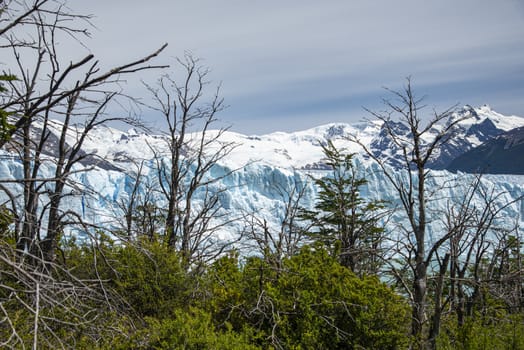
x: 477, y: 126
x: 268, y: 167
x: 301, y: 150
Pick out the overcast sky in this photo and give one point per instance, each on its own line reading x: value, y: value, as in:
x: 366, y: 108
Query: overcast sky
x: 293, y: 64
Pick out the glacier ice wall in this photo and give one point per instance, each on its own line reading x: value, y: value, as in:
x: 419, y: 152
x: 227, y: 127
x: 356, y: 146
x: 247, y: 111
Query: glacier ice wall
x: 263, y: 190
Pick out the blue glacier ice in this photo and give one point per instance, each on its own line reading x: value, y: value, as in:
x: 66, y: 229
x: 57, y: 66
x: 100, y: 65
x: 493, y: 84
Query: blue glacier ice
x: 262, y: 189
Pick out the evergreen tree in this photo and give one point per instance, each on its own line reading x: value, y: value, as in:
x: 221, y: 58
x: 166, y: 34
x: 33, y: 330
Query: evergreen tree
x: 344, y: 220
x: 5, y: 126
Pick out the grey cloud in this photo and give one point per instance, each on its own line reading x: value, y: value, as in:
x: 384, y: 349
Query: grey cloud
x: 313, y: 53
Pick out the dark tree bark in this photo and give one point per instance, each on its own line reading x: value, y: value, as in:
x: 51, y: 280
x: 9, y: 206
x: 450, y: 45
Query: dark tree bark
x: 39, y: 86
x: 193, y: 150
x: 45, y: 88
x: 416, y: 150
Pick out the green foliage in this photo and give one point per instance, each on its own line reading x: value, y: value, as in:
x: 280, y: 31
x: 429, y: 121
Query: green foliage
x: 186, y: 330
x: 312, y: 303
x: 8, y: 78
x: 151, y: 277
x: 228, y: 288
x: 5, y: 126
x: 342, y: 218
x: 329, y: 307
x: 6, y: 219
x: 480, y: 332
x: 70, y: 297
x: 148, y: 277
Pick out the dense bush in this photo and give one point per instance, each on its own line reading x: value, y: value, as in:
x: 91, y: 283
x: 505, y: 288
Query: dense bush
x: 500, y: 332
x: 311, y: 302
x: 190, y: 330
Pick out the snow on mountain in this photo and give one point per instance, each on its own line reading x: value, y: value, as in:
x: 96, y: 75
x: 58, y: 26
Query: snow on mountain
x: 477, y: 126
x: 270, y: 166
x: 279, y: 149
x: 298, y: 150
x: 502, y: 122
x: 301, y: 150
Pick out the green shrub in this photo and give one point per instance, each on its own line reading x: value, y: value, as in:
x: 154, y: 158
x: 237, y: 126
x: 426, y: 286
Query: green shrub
x: 192, y: 330
x: 311, y: 303
x: 151, y: 278
x: 481, y: 333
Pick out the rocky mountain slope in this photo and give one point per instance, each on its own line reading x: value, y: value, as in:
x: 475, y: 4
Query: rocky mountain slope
x: 503, y: 154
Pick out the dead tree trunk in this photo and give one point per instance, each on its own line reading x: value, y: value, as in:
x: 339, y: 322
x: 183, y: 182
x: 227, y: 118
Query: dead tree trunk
x: 43, y: 88
x: 184, y: 165
x: 416, y: 149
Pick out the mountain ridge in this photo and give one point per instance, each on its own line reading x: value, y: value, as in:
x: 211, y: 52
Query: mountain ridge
x: 302, y: 149
x: 501, y: 155
x: 268, y: 169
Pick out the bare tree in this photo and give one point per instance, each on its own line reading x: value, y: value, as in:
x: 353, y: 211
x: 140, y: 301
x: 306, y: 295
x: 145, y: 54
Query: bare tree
x: 142, y: 216
x: 45, y: 304
x: 417, y: 149
x: 450, y: 265
x: 188, y: 187
x: 39, y: 86
x: 42, y: 81
x: 470, y: 228
x: 45, y: 88
x: 276, y: 243
x: 498, y: 276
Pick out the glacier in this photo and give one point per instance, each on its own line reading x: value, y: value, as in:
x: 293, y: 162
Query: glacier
x: 263, y: 190
x: 259, y: 175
